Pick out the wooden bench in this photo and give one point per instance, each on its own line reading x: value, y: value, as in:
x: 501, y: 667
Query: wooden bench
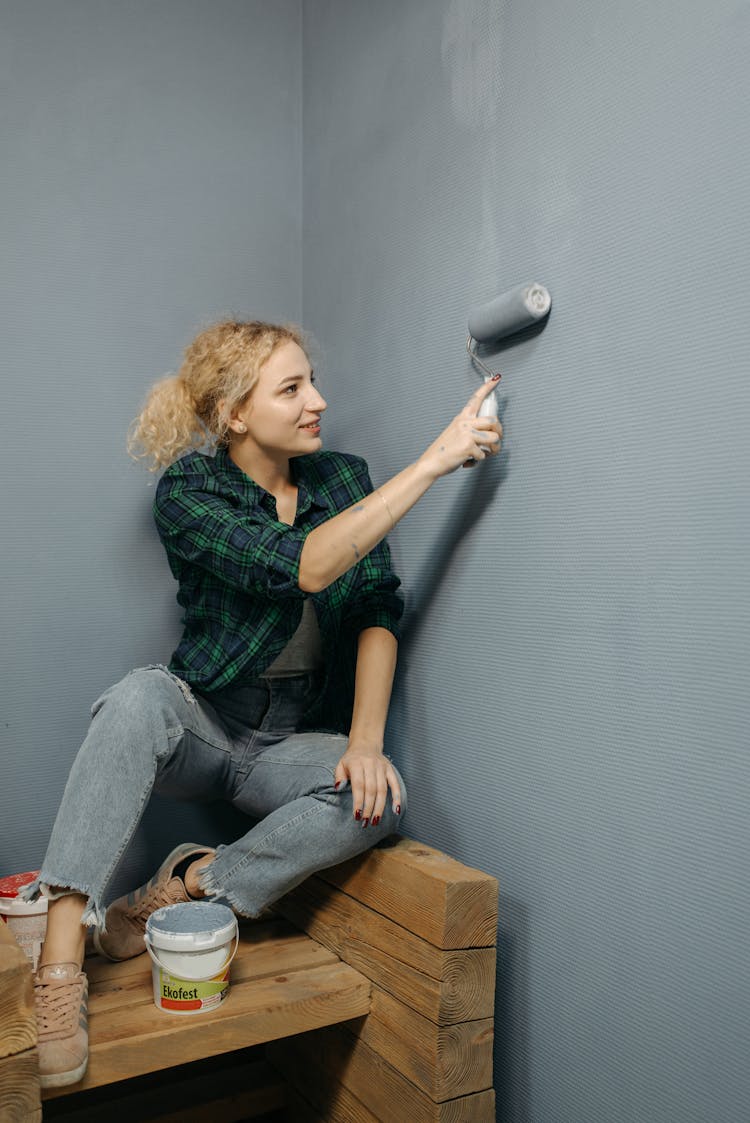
x: 370, y: 992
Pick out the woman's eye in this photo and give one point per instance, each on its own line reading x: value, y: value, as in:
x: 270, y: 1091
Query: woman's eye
x: 293, y: 387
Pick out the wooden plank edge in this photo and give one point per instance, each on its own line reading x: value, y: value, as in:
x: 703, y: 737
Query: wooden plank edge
x: 445, y: 1062
x: 445, y: 986
x: 265, y: 1016
x: 427, y: 892
x: 339, y: 1058
x: 20, y: 1096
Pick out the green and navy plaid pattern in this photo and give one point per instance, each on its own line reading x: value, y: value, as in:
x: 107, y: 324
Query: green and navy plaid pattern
x: 237, y: 567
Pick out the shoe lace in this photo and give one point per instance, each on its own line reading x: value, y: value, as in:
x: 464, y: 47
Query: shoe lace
x: 57, y: 1005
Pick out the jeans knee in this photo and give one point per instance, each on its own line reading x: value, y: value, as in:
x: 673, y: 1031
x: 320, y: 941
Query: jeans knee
x: 140, y: 714
x: 146, y: 690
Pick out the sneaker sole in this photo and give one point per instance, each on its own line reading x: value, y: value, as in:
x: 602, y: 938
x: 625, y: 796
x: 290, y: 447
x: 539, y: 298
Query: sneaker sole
x: 62, y: 1079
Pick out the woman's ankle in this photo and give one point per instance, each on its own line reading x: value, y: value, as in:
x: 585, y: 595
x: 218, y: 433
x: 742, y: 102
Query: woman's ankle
x: 65, y: 939
x: 192, y: 874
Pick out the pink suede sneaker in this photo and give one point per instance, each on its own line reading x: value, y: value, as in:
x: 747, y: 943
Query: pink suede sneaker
x: 126, y: 917
x: 61, y: 999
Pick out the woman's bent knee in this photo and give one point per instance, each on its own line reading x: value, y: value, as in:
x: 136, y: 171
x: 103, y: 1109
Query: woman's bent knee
x: 146, y: 689
x: 143, y: 715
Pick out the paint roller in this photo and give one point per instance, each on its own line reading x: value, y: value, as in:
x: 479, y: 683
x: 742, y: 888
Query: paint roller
x: 503, y: 316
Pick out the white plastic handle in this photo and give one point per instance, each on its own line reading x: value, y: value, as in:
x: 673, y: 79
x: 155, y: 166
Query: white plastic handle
x: 488, y: 408
x: 203, y: 978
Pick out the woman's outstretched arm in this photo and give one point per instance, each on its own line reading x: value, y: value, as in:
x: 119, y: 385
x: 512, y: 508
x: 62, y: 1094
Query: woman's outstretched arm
x: 338, y: 544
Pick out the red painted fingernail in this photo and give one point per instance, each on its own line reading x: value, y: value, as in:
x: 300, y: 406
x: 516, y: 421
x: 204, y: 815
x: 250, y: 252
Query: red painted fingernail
x: 336, y: 785
x: 496, y: 378
x: 398, y: 808
x: 358, y: 814
x: 375, y: 820
x: 365, y: 822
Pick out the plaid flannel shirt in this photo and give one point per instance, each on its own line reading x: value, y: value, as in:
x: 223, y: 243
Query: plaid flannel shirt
x: 237, y: 567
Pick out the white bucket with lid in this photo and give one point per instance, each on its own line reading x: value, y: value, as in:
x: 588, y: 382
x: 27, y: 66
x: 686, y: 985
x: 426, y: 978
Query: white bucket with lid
x: 191, y: 947
x: 26, y: 920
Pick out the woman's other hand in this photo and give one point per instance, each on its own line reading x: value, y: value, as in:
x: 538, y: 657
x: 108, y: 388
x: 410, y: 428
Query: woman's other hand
x: 370, y: 775
x: 461, y: 443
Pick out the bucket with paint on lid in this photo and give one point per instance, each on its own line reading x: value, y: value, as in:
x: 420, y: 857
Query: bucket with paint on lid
x: 191, y: 947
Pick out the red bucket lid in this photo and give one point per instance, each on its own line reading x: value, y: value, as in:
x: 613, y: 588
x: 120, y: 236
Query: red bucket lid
x: 10, y: 885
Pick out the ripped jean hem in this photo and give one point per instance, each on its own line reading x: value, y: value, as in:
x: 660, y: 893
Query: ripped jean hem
x: 239, y: 907
x: 208, y: 884
x: 93, y: 913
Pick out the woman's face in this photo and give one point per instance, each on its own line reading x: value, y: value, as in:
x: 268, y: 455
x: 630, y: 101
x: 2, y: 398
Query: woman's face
x: 283, y: 411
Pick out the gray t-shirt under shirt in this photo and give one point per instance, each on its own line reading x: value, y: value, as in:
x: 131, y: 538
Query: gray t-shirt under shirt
x: 304, y: 652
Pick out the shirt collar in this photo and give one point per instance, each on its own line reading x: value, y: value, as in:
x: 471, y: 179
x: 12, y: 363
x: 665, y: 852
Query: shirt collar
x: 311, y: 494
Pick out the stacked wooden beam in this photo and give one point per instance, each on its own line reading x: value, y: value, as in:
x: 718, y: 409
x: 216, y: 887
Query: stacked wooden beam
x: 422, y: 928
x: 19, y: 1064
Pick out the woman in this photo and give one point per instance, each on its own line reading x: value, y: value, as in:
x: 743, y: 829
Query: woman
x: 277, y: 695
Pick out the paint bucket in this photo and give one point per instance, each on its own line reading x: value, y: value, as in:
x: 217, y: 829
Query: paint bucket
x: 191, y: 947
x: 26, y: 920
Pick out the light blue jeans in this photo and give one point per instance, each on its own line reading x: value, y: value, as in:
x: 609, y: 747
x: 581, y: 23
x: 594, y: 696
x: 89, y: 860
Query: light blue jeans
x: 151, y: 732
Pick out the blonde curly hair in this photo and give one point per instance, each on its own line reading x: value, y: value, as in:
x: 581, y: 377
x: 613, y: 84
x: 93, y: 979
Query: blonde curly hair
x: 191, y: 410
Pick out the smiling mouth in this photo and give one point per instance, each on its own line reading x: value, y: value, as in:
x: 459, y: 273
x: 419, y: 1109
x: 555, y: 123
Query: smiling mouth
x: 311, y: 425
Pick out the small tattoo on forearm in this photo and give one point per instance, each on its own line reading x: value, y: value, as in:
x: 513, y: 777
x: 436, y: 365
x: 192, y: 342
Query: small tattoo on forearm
x: 356, y: 551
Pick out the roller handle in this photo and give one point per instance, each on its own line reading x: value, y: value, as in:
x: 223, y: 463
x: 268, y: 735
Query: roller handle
x: 488, y: 408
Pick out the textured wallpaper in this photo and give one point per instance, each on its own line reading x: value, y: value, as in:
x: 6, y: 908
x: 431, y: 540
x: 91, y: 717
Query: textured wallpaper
x: 572, y: 705
x: 151, y: 183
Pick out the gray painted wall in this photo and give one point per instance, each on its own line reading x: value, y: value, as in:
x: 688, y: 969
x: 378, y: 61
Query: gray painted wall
x: 572, y: 709
x: 151, y: 183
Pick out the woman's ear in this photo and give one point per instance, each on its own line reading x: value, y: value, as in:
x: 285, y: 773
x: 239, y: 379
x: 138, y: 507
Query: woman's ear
x: 232, y: 421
